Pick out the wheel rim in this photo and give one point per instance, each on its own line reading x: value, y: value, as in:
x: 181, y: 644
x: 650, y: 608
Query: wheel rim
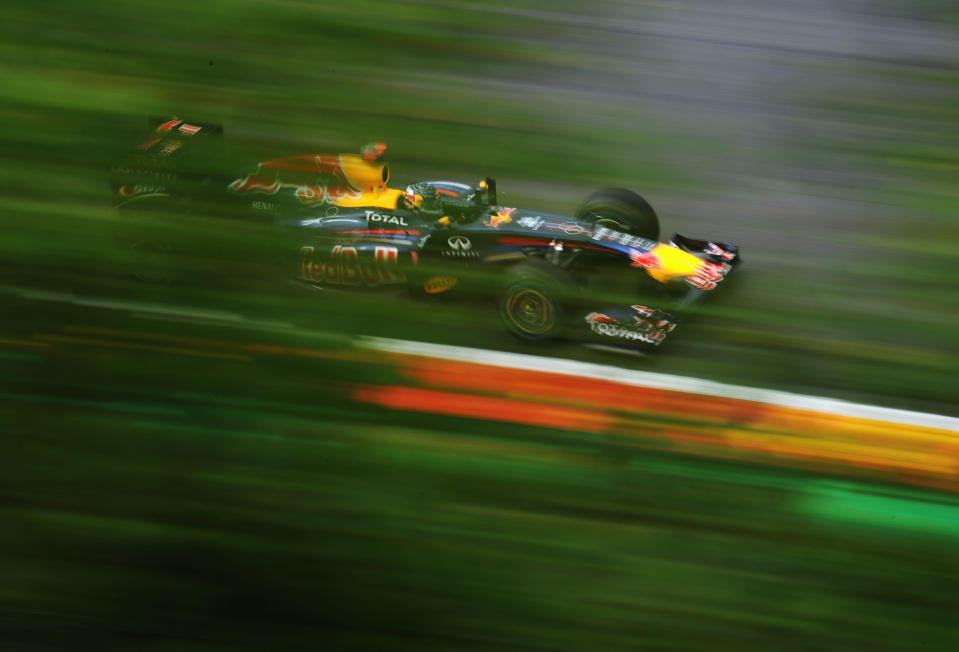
x: 530, y: 311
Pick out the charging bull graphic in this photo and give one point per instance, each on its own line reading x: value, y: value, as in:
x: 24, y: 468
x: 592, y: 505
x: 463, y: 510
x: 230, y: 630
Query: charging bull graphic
x: 317, y: 178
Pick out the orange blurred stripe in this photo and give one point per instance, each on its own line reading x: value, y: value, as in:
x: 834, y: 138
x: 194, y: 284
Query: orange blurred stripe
x: 706, y: 425
x: 566, y: 389
x: 593, y: 393
x: 433, y: 401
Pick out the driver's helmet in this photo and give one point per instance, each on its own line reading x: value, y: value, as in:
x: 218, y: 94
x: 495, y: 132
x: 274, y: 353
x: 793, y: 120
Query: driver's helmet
x: 422, y: 199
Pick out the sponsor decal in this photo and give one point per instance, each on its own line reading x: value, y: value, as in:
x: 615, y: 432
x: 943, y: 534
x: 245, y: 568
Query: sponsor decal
x: 439, y: 284
x: 502, y: 216
x: 569, y: 228
x: 381, y: 218
x: 460, y: 254
x: 344, y: 266
x: 536, y: 222
x: 140, y: 189
x: 640, y: 331
x: 530, y: 222
x: 615, y: 330
x: 460, y: 247
x: 459, y: 243
x: 608, y: 235
x: 263, y: 205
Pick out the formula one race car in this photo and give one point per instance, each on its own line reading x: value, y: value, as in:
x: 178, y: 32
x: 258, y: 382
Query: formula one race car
x: 602, y: 277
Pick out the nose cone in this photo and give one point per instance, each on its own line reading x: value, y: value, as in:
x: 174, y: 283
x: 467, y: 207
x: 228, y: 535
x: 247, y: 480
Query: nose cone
x: 672, y: 263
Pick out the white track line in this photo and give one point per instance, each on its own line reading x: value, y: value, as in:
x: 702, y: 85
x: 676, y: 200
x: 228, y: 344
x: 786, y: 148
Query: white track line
x: 663, y: 381
x: 146, y: 308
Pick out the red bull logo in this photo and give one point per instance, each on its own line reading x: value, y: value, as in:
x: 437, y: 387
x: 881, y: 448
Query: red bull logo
x: 314, y: 178
x: 345, y: 265
x: 503, y: 216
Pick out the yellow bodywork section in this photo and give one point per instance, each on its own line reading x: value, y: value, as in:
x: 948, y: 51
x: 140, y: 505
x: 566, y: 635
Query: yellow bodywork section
x: 370, y: 178
x: 383, y: 198
x: 673, y: 263
x: 366, y: 176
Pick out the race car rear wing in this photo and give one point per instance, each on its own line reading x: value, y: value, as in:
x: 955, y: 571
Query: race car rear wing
x: 173, y: 125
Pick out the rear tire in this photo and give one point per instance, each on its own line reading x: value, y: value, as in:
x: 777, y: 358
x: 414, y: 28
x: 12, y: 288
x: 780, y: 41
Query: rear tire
x: 620, y: 210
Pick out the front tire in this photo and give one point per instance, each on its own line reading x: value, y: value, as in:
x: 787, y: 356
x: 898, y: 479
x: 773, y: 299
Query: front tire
x: 535, y: 301
x: 621, y: 210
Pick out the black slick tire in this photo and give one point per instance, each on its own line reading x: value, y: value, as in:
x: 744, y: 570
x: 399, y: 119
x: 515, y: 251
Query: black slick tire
x: 535, y: 300
x: 620, y: 209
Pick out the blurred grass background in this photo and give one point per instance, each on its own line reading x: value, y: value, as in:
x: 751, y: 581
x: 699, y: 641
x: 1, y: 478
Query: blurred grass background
x: 156, y: 498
